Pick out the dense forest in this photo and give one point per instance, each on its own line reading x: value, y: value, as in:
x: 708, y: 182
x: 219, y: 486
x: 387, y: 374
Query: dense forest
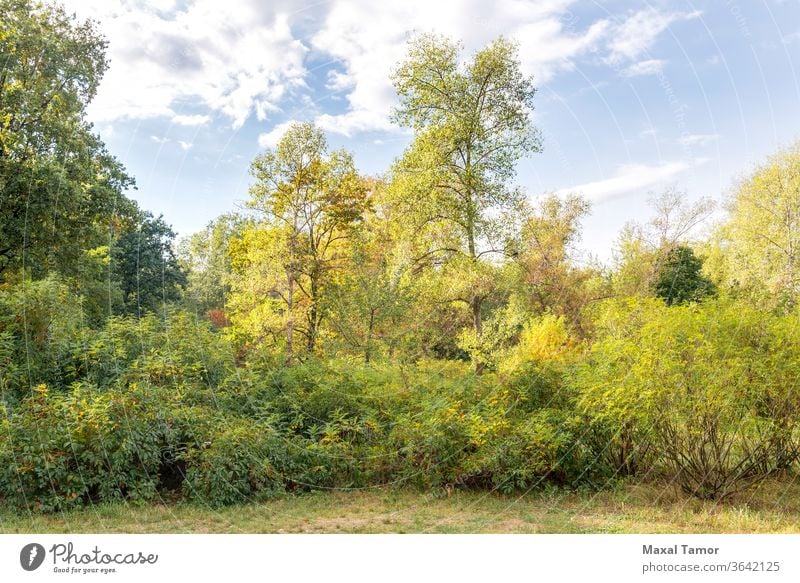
x: 431, y: 327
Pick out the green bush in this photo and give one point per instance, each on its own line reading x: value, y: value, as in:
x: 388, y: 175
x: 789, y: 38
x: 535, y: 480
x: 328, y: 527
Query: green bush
x: 63, y: 450
x: 178, y: 351
x: 234, y: 466
x: 40, y: 322
x: 708, y: 390
x: 488, y: 432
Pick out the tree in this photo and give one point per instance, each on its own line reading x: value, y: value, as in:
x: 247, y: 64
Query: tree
x: 758, y: 247
x: 59, y: 187
x: 472, y: 124
x: 680, y: 278
x: 310, y: 200
x: 144, y: 262
x: 371, y: 302
x: 205, y: 258
x: 549, y: 279
x: 642, y: 249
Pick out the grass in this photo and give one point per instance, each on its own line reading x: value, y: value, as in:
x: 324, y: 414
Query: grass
x: 772, y: 507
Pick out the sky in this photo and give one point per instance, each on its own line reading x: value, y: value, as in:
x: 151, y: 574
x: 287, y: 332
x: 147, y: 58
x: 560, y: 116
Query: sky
x: 633, y: 97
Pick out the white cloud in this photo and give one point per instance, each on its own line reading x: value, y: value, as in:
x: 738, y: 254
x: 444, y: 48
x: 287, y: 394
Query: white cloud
x: 697, y: 139
x: 790, y: 38
x: 241, y: 58
x: 185, y: 145
x: 629, y: 178
x: 271, y: 138
x: 159, y: 139
x: 369, y: 42
x: 191, y: 120
x: 235, y: 57
x: 648, y: 67
x: 634, y: 36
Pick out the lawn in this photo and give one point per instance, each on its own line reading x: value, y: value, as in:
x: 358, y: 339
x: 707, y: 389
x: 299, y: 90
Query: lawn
x: 772, y: 507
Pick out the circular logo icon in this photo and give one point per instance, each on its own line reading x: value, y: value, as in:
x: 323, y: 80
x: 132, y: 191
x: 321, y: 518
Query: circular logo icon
x: 31, y: 556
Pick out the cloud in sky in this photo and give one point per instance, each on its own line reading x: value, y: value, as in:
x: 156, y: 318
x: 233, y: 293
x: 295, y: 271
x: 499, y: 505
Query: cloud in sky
x: 697, y: 139
x: 629, y: 178
x: 637, y: 33
x: 191, y: 120
x: 648, y: 67
x: 236, y: 57
x: 271, y: 138
x: 240, y: 58
x: 368, y: 43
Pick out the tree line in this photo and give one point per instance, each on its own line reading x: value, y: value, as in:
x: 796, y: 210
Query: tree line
x: 431, y: 326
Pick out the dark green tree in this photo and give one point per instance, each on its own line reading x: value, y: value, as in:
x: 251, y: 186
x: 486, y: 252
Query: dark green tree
x: 59, y: 188
x: 146, y: 266
x: 680, y: 278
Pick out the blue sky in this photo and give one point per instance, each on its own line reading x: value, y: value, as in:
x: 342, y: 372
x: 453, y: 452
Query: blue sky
x: 633, y: 97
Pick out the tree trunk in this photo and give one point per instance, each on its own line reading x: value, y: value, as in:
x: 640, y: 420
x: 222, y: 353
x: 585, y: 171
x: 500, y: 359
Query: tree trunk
x: 477, y: 301
x: 290, y: 304
x: 290, y: 319
x: 313, y: 315
x: 368, y: 347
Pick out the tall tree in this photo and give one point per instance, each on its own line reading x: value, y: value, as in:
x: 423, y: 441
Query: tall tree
x: 472, y: 124
x: 551, y: 279
x: 145, y: 264
x: 758, y: 247
x: 311, y: 200
x: 643, y: 249
x: 206, y: 260
x: 59, y: 187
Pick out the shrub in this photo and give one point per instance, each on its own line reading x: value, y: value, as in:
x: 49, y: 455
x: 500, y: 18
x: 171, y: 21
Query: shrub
x: 40, y: 321
x: 175, y: 350
x: 708, y: 389
x: 489, y: 432
x: 234, y: 466
x: 60, y: 451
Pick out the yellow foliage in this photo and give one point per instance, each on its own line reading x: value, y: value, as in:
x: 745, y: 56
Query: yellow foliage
x: 544, y: 338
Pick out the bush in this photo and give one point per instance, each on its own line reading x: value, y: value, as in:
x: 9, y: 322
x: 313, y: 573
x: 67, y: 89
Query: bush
x: 40, y: 322
x: 489, y: 432
x: 707, y: 389
x: 235, y: 466
x: 59, y: 451
x: 178, y: 351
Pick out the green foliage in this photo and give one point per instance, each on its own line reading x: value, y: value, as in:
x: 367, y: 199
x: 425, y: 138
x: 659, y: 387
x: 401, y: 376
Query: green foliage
x: 205, y: 257
x: 310, y: 201
x: 754, y: 250
x: 472, y: 124
x: 235, y: 467
x: 680, y: 279
x: 60, y: 190
x: 547, y: 277
x: 64, y: 450
x: 326, y: 341
x: 145, y: 264
x: 39, y: 324
x: 689, y: 384
x: 642, y: 249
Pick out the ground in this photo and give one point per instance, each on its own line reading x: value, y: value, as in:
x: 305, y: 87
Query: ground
x: 773, y: 507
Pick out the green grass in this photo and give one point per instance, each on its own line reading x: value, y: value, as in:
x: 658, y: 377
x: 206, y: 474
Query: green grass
x: 773, y: 507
